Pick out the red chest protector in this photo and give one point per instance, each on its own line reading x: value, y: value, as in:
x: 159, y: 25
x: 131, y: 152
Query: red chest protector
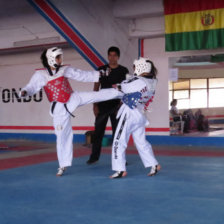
x: 58, y: 90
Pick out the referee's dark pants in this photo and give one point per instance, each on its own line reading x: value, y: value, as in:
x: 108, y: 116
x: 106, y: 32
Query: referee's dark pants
x: 100, y: 126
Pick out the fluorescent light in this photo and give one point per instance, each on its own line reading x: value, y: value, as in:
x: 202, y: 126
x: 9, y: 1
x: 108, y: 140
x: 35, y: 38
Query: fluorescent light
x: 36, y: 41
x: 178, y: 64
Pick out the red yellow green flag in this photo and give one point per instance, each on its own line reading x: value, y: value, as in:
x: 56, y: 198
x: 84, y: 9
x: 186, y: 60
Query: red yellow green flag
x: 194, y: 24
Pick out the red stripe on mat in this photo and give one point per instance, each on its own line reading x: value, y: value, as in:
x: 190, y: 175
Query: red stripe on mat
x: 47, y: 157
x: 34, y: 159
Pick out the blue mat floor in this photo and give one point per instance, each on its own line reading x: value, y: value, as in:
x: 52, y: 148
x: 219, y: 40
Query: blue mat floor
x: 188, y: 190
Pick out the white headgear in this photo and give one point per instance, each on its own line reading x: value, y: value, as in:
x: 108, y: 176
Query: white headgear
x: 142, y: 66
x: 51, y: 55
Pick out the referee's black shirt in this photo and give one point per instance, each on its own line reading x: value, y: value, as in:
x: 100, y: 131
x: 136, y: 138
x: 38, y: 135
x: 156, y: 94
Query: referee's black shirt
x: 117, y: 75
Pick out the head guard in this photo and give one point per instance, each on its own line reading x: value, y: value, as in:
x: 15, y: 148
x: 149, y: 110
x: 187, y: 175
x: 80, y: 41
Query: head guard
x: 142, y: 65
x: 51, y: 55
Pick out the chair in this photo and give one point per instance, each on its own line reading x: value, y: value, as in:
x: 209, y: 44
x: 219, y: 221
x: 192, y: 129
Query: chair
x: 176, y: 124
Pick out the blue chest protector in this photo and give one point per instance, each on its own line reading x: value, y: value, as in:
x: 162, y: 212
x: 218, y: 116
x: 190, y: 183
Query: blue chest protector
x: 132, y: 99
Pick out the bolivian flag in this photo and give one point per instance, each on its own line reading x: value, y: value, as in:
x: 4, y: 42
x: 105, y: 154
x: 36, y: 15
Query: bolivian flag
x: 194, y: 24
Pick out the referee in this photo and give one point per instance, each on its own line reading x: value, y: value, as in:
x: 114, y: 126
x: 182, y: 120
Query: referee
x: 107, y: 109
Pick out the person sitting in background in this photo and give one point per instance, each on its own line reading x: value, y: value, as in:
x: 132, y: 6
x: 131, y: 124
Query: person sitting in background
x: 177, y: 117
x: 201, y: 121
x: 174, y: 111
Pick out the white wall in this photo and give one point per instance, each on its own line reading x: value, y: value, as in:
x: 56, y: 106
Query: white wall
x: 96, y: 22
x: 22, y: 25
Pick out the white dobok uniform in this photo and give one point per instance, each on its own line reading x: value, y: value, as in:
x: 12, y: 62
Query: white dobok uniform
x: 133, y: 121
x: 65, y: 97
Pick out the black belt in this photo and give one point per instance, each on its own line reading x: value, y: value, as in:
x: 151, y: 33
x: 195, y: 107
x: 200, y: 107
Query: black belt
x: 53, y: 106
x: 66, y: 108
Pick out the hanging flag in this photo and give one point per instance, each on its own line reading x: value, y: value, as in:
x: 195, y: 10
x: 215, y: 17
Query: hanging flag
x: 194, y: 24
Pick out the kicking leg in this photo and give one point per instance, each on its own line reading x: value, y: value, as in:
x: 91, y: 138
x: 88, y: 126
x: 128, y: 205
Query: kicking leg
x: 98, y: 96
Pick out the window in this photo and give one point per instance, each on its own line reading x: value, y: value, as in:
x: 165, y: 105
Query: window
x: 180, y: 91
x: 198, y: 98
x: 181, y: 94
x: 197, y: 93
x: 216, y: 97
x: 216, y: 92
x: 216, y: 83
x: 181, y: 85
x: 183, y: 104
x: 198, y: 83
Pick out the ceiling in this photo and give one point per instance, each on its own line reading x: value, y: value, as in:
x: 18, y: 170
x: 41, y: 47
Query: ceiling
x: 21, y: 25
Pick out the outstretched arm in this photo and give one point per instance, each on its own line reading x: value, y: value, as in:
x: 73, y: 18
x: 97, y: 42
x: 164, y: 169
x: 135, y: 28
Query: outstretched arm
x: 35, y: 84
x: 132, y: 85
x: 82, y: 76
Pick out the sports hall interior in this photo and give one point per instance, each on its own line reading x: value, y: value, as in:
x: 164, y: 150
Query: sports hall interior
x: 190, y: 186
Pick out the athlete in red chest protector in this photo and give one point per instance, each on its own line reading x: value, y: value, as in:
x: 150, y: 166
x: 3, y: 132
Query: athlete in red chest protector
x: 54, y: 79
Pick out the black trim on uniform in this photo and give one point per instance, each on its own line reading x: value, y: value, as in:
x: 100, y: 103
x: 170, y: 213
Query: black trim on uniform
x: 121, y: 128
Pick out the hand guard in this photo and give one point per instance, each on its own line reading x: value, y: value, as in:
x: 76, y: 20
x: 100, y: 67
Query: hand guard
x: 132, y: 99
x: 104, y: 73
x: 22, y: 94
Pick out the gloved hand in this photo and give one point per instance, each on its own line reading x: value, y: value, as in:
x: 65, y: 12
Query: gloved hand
x: 23, y: 93
x: 117, y: 86
x: 104, y: 73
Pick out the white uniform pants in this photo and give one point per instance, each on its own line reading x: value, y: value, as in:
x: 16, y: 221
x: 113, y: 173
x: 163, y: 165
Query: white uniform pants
x: 131, y: 122
x: 62, y: 120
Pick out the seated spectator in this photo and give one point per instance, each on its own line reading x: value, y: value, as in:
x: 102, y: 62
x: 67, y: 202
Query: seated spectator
x: 174, y: 111
x: 190, y: 123
x: 177, y: 117
x: 201, y: 121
